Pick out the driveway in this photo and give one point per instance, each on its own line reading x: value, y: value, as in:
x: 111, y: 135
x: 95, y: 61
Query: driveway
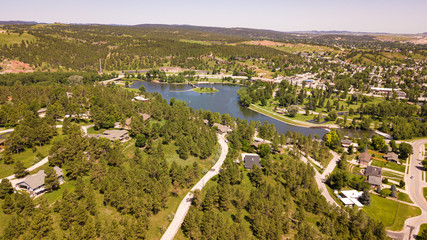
x: 185, y: 204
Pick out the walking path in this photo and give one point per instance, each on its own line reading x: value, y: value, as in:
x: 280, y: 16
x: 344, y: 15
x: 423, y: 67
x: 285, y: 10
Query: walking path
x: 185, y: 204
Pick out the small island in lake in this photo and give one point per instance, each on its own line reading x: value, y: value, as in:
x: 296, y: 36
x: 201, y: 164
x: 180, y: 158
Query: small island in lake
x: 205, y: 90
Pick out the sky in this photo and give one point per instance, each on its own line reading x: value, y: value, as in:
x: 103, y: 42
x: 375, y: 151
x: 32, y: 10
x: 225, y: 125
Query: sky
x: 391, y: 16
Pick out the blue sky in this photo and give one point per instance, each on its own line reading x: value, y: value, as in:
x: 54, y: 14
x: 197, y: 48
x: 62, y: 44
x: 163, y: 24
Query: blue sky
x: 393, y: 16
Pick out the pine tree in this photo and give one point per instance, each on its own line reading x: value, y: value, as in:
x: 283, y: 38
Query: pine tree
x: 89, y: 231
x: 51, y: 179
x: 20, y: 171
x: 41, y: 220
x: 5, y: 188
x: 8, y: 204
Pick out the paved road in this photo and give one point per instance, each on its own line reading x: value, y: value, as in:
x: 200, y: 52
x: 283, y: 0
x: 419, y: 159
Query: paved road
x: 35, y: 166
x: 185, y: 204
x: 414, y: 187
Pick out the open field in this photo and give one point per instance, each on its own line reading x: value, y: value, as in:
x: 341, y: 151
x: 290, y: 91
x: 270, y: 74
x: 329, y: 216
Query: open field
x: 391, y: 213
x: 289, y: 47
x: 14, y: 38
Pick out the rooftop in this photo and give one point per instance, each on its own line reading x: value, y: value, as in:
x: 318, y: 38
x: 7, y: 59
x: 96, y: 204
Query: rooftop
x: 373, y: 171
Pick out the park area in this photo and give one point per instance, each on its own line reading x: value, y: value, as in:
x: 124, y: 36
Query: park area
x: 391, y: 213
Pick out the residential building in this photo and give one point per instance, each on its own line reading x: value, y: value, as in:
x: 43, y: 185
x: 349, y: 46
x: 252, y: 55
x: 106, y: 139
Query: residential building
x: 112, y: 135
x: 350, y: 198
x: 346, y: 143
x: 365, y: 158
x: 34, y: 184
x: 251, y: 159
x: 392, y: 157
x: 222, y: 128
x: 373, y: 175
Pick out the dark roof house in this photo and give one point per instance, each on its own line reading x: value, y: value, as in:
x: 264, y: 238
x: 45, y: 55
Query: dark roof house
x: 251, y: 159
x: 373, y: 175
x: 365, y: 158
x: 346, y: 143
x: 392, y: 157
x: 373, y: 171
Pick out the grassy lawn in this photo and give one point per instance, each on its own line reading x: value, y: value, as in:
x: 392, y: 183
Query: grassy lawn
x: 392, y: 175
x: 425, y: 192
x: 404, y: 197
x: 389, y: 165
x: 391, y: 213
x: 91, y: 130
x: 279, y: 117
x: 27, y: 157
x: 51, y: 197
x: 205, y: 90
x: 423, y: 227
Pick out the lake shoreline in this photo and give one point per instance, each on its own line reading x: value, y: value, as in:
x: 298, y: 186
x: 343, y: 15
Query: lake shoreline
x: 291, y: 122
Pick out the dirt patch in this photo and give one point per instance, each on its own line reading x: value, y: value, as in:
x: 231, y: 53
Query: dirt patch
x: 15, y: 66
x: 265, y: 43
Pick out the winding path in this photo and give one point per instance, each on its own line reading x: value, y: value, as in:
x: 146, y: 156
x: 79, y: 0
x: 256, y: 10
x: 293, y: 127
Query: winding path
x: 185, y: 204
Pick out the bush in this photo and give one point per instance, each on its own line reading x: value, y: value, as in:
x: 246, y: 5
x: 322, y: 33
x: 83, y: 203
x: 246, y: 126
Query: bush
x: 385, y: 180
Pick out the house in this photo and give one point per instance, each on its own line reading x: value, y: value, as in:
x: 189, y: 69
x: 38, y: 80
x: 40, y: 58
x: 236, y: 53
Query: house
x: 346, y: 143
x: 34, y: 184
x: 373, y: 175
x: 365, y: 158
x: 392, y: 157
x: 141, y: 98
x: 112, y: 135
x: 251, y: 159
x: 222, y: 128
x: 350, y: 198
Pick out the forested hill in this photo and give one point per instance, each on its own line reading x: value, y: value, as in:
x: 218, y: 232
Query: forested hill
x: 80, y: 47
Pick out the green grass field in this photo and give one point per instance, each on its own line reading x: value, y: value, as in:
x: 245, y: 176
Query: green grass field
x: 14, y: 38
x: 392, y: 175
x: 389, y: 165
x: 404, y: 197
x: 425, y: 192
x: 391, y: 213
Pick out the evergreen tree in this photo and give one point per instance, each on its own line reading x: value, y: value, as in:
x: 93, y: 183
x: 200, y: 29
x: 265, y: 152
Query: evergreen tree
x: 41, y: 221
x: 51, y: 179
x: 20, y: 171
x: 5, y: 188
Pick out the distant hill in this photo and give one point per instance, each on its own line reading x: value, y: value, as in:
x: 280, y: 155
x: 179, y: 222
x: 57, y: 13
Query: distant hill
x: 18, y: 22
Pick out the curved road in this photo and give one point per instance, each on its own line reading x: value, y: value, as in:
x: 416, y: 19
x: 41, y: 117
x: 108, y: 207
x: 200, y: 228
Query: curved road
x: 415, y: 185
x: 185, y: 204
